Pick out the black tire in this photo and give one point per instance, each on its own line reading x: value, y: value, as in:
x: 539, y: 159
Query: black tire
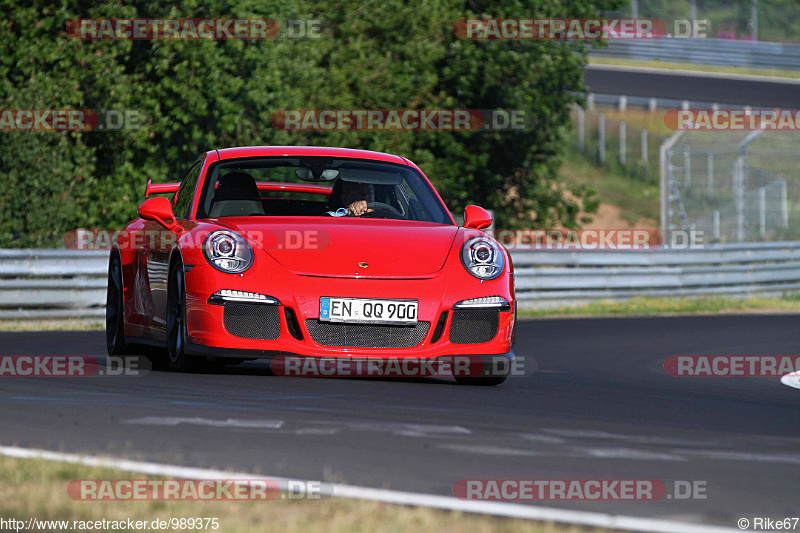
x: 176, y: 323
x: 116, y: 345
x: 115, y: 310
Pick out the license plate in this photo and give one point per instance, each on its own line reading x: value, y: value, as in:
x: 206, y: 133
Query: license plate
x: 368, y: 310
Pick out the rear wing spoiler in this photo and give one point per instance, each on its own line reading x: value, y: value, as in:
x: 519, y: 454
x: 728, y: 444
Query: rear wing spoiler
x: 166, y: 188
x: 160, y: 188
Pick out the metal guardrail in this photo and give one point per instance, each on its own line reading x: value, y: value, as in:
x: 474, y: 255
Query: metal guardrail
x: 52, y: 284
x: 72, y: 284
x: 725, y: 52
x: 624, y: 102
x: 546, y: 279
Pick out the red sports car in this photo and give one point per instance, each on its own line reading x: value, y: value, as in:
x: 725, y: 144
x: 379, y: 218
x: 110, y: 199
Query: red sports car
x: 271, y: 252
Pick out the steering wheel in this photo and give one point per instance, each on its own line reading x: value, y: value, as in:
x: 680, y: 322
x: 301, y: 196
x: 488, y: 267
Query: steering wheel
x: 379, y: 208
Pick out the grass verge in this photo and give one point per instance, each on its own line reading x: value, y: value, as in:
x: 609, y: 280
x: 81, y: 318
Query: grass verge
x: 38, y: 488
x: 93, y: 324
x: 693, y: 67
x: 636, y: 198
x: 669, y: 306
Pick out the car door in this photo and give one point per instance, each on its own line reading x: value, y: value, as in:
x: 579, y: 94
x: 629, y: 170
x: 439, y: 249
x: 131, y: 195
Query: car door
x: 159, y: 245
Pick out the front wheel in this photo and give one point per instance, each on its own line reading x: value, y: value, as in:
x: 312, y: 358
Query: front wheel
x: 115, y: 310
x: 176, y: 323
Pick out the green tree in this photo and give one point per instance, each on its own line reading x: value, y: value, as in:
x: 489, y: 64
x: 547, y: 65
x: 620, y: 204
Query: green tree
x: 199, y: 95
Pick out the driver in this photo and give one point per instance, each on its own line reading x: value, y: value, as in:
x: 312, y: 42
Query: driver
x: 355, y: 197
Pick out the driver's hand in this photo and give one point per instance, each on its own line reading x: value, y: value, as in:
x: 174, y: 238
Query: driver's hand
x: 359, y: 208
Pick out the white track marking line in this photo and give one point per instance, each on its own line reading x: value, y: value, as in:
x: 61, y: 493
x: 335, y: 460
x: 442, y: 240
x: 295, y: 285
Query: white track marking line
x: 449, y: 503
x: 398, y: 428
x: 694, y: 73
x: 489, y: 450
x: 198, y: 421
x: 630, y: 454
x: 792, y: 459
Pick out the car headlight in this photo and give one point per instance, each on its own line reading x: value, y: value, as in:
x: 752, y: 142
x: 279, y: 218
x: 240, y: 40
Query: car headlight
x: 482, y: 258
x: 228, y: 251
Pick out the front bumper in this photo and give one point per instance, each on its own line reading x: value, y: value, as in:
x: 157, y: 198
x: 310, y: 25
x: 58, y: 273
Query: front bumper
x: 297, y: 365
x: 300, y: 294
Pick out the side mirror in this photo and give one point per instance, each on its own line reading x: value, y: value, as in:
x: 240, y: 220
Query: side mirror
x: 160, y: 210
x: 476, y: 217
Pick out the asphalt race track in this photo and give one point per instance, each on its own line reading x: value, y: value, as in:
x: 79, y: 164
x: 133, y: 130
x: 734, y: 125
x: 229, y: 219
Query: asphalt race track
x: 695, y: 87
x: 600, y: 405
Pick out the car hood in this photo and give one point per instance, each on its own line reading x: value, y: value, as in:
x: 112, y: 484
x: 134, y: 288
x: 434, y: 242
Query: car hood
x: 340, y: 247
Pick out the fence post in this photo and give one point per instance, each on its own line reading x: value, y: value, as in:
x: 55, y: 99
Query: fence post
x: 581, y: 129
x: 739, y: 197
x: 740, y: 184
x: 601, y: 131
x: 716, y: 225
x: 664, y: 164
x: 762, y: 212
x: 687, y: 168
x: 623, y: 144
x: 784, y: 206
x: 710, y: 173
x: 644, y: 147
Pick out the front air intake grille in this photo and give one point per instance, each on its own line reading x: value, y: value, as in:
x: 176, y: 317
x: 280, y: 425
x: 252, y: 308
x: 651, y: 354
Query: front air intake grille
x: 366, y: 335
x: 473, y: 326
x: 252, y: 321
x: 437, y: 332
x: 292, y: 324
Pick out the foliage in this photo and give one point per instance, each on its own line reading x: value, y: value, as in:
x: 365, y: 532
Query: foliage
x: 200, y: 95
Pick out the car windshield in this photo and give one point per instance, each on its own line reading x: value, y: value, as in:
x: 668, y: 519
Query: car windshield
x: 319, y: 186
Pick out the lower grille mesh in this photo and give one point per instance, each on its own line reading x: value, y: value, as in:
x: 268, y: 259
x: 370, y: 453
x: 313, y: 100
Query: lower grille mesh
x: 366, y: 335
x: 252, y: 321
x: 473, y: 326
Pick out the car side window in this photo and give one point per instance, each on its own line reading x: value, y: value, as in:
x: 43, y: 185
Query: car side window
x: 183, y: 198
x: 418, y: 211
